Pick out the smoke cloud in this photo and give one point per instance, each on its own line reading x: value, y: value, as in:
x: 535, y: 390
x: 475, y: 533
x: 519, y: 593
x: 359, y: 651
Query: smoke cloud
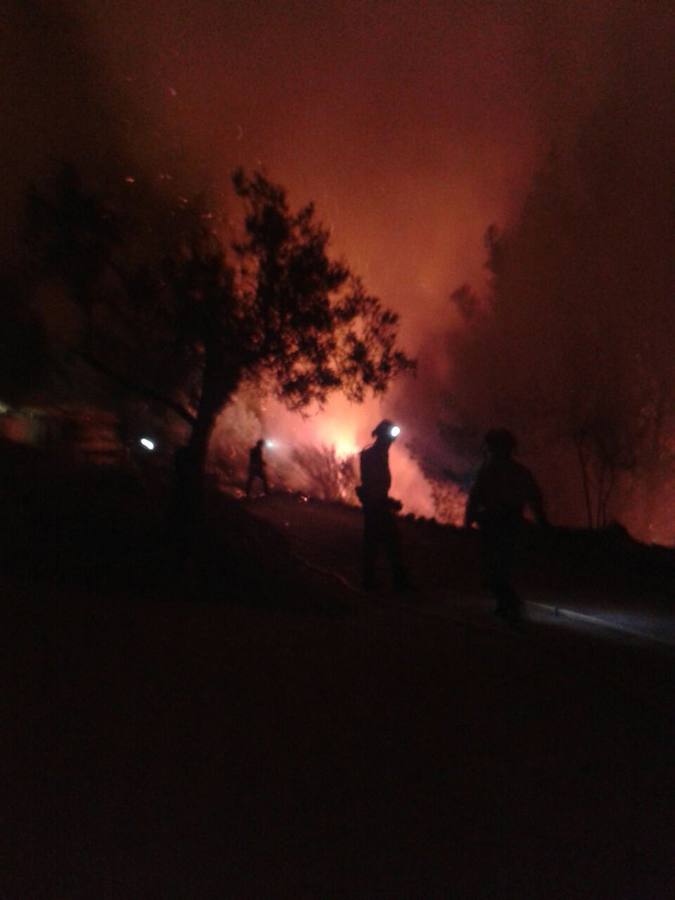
x: 574, y: 343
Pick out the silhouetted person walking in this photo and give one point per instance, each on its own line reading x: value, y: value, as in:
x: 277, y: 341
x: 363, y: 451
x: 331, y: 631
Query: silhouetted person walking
x: 379, y: 520
x: 501, y: 492
x: 256, y: 468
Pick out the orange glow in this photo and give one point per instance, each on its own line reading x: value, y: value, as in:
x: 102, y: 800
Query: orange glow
x: 412, y: 133
x: 340, y: 431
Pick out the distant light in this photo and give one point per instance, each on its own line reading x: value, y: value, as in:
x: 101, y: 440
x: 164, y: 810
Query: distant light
x: 270, y: 444
x: 147, y: 443
x: 395, y: 431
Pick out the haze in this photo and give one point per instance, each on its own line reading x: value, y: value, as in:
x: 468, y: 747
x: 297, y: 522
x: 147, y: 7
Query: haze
x: 412, y: 126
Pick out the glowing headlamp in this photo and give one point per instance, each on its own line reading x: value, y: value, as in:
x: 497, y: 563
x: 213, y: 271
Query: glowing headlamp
x: 147, y: 443
x: 394, y: 431
x: 270, y: 443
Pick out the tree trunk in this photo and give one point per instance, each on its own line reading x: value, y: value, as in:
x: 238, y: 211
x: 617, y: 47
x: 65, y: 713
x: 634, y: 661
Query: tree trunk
x: 198, y: 451
x: 190, y: 462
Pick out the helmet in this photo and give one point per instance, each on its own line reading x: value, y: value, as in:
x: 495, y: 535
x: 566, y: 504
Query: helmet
x: 387, y: 429
x: 500, y: 441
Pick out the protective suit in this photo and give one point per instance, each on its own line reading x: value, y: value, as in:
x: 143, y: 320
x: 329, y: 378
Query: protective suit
x: 379, y: 509
x: 256, y: 468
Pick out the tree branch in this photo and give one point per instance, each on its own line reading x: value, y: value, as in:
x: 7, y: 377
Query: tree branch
x: 136, y: 388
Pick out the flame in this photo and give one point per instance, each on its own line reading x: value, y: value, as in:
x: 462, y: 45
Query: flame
x: 338, y: 432
x: 344, y: 447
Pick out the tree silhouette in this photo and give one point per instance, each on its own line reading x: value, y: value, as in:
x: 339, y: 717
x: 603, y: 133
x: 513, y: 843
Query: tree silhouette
x: 172, y: 313
x: 571, y: 344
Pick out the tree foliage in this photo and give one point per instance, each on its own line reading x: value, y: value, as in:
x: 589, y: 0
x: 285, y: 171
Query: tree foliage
x: 306, y: 319
x: 573, y: 343
x: 174, y: 309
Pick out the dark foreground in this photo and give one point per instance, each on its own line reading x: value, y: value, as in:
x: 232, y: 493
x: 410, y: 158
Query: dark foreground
x: 177, y: 739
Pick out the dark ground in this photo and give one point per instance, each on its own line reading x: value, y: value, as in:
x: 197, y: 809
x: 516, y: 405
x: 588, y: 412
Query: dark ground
x: 254, y: 727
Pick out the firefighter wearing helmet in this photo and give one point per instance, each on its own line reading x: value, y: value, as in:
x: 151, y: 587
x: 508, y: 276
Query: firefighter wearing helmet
x: 379, y: 509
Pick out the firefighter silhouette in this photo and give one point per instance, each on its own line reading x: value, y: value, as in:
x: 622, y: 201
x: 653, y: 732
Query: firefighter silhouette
x: 379, y: 509
x: 503, y: 489
x: 256, y: 468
